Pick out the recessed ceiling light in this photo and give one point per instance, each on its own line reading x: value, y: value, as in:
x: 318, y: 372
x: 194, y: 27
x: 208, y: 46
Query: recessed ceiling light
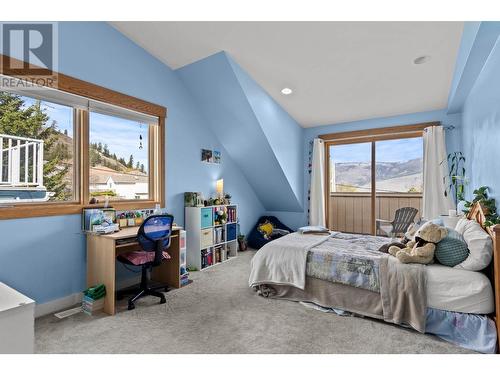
x: 286, y: 91
x: 421, y: 59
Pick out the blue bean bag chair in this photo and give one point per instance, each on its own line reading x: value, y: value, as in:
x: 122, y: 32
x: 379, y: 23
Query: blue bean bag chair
x: 256, y: 239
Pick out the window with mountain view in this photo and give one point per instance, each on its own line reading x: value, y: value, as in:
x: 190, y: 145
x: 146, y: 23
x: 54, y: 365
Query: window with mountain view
x: 371, y: 179
x: 398, y: 166
x: 118, y: 158
x: 36, y: 150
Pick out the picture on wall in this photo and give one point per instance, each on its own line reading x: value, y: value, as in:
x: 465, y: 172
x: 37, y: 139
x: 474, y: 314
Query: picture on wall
x: 207, y: 156
x: 217, y: 158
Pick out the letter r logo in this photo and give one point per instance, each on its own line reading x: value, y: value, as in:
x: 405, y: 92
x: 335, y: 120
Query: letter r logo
x: 32, y: 47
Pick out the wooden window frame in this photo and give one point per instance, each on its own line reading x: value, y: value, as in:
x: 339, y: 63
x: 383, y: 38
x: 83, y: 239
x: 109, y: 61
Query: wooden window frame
x: 368, y: 136
x: 88, y: 90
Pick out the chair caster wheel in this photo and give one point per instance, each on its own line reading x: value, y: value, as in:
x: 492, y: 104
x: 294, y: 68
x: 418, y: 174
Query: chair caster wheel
x: 162, y: 301
x: 131, y: 306
x: 166, y: 289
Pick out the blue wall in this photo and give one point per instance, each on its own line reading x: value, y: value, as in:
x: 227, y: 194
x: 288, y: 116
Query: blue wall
x: 283, y: 133
x: 475, y: 97
x: 481, y: 127
x: 241, y: 115
x: 44, y: 258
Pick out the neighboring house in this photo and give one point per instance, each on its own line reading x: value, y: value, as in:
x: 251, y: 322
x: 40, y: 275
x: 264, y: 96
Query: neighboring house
x: 126, y: 185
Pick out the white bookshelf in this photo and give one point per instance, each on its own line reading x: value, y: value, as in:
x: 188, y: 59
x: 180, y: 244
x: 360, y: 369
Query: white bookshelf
x: 201, y: 231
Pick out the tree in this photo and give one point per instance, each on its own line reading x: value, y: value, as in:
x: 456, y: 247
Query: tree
x: 105, y: 150
x: 130, y: 163
x: 137, y: 165
x: 66, y: 132
x: 16, y: 118
x: 142, y: 168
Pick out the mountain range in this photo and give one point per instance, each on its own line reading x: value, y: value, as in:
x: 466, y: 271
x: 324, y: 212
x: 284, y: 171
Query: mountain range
x: 400, y: 176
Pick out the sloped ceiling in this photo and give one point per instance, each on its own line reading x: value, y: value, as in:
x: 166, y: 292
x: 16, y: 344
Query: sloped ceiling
x: 339, y: 71
x: 252, y: 128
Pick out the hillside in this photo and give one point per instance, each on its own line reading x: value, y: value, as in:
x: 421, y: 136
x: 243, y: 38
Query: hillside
x: 391, y: 176
x: 100, y: 157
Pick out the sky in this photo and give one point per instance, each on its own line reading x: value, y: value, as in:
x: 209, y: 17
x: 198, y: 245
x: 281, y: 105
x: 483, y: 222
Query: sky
x: 121, y: 135
x: 396, y: 150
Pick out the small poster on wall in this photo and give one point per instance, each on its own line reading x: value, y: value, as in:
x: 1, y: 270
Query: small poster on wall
x: 207, y: 156
x: 216, y: 157
x: 210, y: 156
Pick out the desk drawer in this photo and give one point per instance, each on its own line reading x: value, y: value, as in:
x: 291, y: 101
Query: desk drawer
x: 206, y: 217
x: 206, y: 238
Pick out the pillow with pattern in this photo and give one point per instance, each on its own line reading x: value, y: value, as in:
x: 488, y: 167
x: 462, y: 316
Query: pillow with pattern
x: 452, y: 249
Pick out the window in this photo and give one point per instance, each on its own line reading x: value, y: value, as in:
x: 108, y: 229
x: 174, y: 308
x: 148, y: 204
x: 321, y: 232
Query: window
x: 78, y: 145
x: 399, y: 165
x: 118, y: 158
x: 371, y: 174
x: 36, y: 150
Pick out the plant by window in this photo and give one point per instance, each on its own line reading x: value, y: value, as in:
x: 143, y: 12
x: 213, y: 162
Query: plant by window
x: 481, y: 196
x: 455, y: 181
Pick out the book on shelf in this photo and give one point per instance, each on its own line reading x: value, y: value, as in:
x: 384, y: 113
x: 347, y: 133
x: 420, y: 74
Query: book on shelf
x: 231, y: 214
x: 218, y: 235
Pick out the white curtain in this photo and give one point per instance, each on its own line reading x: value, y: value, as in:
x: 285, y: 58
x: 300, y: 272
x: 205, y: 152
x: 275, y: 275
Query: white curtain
x: 317, y: 214
x: 435, y: 202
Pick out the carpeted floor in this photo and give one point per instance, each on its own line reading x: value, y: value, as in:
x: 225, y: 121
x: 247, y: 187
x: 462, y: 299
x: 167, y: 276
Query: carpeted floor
x: 218, y: 313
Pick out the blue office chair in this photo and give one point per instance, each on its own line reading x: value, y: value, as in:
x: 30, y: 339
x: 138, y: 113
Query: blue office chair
x: 154, y: 238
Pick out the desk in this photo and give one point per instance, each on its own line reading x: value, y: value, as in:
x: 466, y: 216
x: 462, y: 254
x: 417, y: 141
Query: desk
x: 101, y: 257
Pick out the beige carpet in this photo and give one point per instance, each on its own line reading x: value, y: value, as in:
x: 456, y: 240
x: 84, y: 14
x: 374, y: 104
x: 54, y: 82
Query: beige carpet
x: 218, y: 313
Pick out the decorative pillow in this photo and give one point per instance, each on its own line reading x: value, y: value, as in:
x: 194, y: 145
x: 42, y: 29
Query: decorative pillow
x: 266, y: 229
x: 452, y: 249
x: 479, y: 243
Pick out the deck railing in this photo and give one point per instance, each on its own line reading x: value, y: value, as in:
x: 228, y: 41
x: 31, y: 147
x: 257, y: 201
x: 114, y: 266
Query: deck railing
x: 351, y: 212
x: 21, y: 161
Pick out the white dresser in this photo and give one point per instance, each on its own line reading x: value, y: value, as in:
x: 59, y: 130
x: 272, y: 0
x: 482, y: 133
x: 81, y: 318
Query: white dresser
x: 17, y: 322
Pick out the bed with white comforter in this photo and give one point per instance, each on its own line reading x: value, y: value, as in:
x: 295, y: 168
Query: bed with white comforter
x: 347, y: 272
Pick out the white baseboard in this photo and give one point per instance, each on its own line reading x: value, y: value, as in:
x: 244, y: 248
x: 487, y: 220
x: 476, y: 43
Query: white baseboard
x: 57, y: 304
x: 75, y: 299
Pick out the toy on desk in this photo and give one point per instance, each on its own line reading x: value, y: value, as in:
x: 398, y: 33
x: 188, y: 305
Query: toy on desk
x: 99, y: 221
x: 139, y: 219
x: 130, y: 219
x: 122, y: 220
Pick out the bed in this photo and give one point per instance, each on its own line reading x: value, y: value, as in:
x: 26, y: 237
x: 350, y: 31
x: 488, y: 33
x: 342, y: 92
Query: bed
x: 347, y: 273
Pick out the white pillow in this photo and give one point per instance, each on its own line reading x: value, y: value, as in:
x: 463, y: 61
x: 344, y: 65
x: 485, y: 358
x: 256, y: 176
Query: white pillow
x: 479, y: 243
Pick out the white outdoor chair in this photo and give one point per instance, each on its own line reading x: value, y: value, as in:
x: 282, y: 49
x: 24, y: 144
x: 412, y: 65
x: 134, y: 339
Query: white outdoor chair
x: 403, y: 218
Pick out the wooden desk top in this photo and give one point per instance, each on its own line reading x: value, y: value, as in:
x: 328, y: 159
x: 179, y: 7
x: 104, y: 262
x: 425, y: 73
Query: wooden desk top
x: 127, y: 233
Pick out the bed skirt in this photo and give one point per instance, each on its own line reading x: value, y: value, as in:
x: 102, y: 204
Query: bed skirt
x: 470, y: 331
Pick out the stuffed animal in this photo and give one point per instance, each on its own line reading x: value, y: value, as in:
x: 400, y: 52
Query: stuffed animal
x: 409, y: 236
x: 420, y: 250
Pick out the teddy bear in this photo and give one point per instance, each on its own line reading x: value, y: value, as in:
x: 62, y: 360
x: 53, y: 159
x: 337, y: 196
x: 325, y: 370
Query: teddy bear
x: 421, y: 249
x: 409, y: 236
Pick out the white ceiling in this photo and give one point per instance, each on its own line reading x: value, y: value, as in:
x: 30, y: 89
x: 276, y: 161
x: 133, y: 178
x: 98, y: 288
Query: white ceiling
x: 339, y: 71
